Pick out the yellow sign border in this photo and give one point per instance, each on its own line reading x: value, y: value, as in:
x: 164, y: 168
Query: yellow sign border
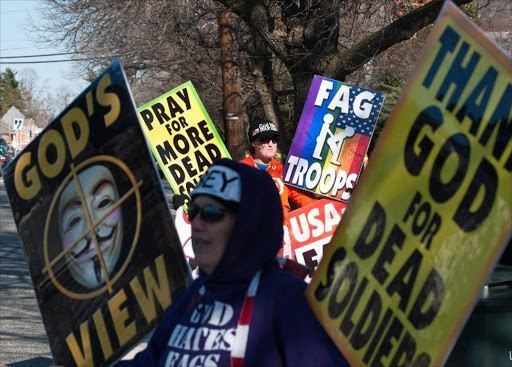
x: 380, y: 170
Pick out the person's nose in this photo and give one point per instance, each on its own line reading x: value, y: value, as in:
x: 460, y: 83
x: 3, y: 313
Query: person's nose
x: 95, y: 215
x: 197, y: 223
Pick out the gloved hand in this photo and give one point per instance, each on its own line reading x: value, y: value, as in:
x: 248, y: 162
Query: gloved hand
x: 294, y: 267
x: 288, y: 252
x: 178, y: 200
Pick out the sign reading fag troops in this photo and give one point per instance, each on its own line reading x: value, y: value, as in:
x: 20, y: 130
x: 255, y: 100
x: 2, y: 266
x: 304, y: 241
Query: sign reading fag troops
x: 182, y: 137
x: 332, y: 138
x: 95, y: 227
x: 432, y: 213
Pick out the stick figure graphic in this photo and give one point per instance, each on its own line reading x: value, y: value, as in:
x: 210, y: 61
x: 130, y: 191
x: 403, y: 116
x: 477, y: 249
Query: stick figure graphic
x: 320, y: 140
x: 335, y: 142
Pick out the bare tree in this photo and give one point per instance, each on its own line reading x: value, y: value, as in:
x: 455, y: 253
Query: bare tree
x: 284, y: 43
x: 494, y: 16
x: 32, y: 91
x: 161, y: 43
x: 308, y: 36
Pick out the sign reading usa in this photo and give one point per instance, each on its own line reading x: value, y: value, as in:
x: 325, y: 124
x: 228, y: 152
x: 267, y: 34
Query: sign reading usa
x: 312, y: 228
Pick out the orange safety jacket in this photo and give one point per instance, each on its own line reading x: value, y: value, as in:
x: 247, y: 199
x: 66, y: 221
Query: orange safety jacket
x: 275, y: 170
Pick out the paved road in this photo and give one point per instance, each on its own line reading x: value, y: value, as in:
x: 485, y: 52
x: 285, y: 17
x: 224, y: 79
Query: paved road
x: 23, y: 341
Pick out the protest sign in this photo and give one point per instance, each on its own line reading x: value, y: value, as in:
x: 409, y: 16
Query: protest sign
x: 432, y: 213
x: 95, y: 227
x: 182, y: 137
x: 312, y: 227
x: 332, y: 138
x: 184, y: 229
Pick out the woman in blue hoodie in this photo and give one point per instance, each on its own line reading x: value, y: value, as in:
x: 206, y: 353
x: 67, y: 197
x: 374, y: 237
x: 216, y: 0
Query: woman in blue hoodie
x: 243, y: 310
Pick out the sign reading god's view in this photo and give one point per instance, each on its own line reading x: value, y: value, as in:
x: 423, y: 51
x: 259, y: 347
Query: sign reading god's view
x: 332, y: 138
x: 182, y: 137
x: 96, y: 230
x: 433, y: 212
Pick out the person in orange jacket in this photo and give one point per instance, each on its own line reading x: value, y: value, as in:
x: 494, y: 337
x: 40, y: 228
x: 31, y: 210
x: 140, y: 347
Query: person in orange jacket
x: 264, y: 136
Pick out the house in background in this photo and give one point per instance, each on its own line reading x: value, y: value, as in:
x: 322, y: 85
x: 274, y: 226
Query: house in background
x: 17, y: 130
x: 4, y: 130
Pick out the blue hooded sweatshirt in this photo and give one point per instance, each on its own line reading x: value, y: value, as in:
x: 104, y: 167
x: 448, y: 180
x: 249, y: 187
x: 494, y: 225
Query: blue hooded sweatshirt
x: 200, y: 329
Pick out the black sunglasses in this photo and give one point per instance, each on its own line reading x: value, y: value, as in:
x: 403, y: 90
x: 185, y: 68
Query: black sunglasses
x: 209, y: 213
x: 274, y: 139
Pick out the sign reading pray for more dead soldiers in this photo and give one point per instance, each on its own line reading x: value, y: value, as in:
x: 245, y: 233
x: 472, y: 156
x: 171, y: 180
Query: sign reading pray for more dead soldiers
x: 104, y: 258
x: 433, y: 211
x: 182, y: 137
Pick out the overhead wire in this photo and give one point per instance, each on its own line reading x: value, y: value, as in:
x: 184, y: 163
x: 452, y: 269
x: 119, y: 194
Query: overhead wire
x: 41, y: 55
x: 49, y: 61
x: 46, y: 62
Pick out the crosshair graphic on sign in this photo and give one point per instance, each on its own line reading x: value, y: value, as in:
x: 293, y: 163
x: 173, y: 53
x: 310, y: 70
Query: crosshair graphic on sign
x: 88, y: 211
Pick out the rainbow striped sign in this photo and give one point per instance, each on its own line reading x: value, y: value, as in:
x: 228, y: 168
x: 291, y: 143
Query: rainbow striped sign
x: 332, y: 138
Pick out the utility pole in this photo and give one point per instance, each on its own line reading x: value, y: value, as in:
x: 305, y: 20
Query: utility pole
x: 233, y: 122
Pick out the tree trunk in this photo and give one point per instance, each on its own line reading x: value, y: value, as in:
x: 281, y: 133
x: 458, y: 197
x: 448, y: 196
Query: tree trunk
x: 301, y: 83
x: 231, y: 82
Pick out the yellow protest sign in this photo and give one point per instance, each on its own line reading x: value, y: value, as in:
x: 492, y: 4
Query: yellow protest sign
x: 432, y: 213
x: 182, y: 137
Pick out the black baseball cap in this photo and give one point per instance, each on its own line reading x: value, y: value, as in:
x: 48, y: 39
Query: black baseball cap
x: 262, y: 129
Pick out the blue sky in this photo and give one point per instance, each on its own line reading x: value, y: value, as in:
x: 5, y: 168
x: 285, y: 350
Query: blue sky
x: 15, y: 41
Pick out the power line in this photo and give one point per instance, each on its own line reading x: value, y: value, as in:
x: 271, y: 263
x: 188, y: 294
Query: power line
x: 20, y: 11
x: 52, y: 61
x: 37, y: 62
x: 45, y: 55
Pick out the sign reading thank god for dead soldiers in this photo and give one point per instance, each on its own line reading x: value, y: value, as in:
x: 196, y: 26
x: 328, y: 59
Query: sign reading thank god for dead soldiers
x: 432, y: 214
x: 96, y: 230
x: 332, y: 137
x: 182, y: 137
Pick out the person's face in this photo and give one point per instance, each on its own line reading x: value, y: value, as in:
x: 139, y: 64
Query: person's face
x: 265, y: 149
x: 209, y: 239
x: 100, y: 194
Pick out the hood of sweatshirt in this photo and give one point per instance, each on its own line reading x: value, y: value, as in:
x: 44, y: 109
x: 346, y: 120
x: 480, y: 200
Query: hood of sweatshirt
x: 258, y: 231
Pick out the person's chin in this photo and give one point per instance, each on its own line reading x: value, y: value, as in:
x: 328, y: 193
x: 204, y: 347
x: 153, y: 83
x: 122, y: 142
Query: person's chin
x: 204, y: 266
x: 201, y: 247
x: 84, y: 276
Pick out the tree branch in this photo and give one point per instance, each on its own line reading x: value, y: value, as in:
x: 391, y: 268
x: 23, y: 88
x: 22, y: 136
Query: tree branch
x: 255, y: 13
x: 401, y: 29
